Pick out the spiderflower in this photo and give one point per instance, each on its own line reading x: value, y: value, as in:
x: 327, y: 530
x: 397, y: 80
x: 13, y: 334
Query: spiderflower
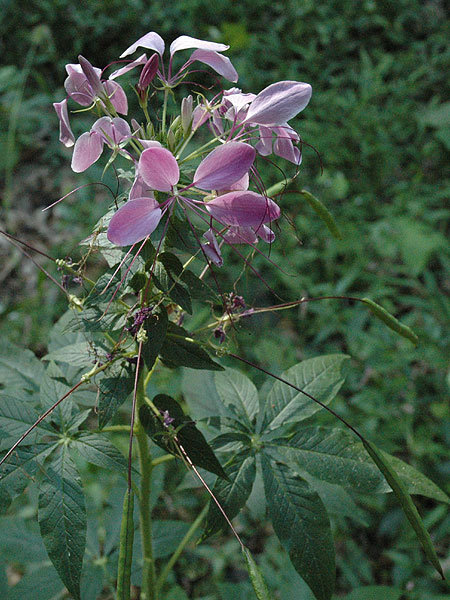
x: 211, y: 182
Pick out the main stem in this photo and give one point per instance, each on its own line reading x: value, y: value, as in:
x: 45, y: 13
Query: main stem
x: 148, y: 591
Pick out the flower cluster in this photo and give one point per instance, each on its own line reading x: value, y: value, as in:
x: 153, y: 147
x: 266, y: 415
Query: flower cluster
x: 217, y: 193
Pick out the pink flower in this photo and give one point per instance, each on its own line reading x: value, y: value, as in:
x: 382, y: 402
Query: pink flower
x: 205, y: 52
x: 84, y: 85
x: 65, y: 132
x: 89, y: 146
x: 221, y: 169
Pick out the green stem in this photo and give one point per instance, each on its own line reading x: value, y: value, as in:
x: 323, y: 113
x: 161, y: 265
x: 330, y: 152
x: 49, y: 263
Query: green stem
x: 162, y: 459
x: 175, y: 556
x: 164, y: 115
x: 148, y: 591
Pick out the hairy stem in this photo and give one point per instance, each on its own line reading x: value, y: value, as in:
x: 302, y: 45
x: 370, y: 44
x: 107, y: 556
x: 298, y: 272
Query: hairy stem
x: 148, y: 591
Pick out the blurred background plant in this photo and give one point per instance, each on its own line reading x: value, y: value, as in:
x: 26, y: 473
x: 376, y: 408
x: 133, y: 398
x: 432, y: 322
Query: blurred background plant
x: 380, y: 119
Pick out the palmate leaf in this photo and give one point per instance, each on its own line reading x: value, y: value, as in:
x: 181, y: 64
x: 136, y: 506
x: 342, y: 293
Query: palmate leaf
x: 336, y: 456
x: 16, y: 416
x: 321, y: 377
x: 301, y: 523
x: 114, y: 389
x: 98, y: 450
x: 62, y: 519
x: 156, y: 329
x: 19, y: 369
x: 167, y: 278
x: 180, y: 350
x: 53, y: 387
x: 19, y: 469
x: 233, y: 493
x: 180, y: 235
x: 238, y: 393
x: 187, y: 434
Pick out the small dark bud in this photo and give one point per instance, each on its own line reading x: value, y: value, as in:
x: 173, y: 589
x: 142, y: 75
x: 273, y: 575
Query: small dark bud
x: 219, y: 334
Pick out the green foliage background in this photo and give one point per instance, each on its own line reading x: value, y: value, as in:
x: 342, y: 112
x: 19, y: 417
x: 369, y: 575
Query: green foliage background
x: 380, y: 119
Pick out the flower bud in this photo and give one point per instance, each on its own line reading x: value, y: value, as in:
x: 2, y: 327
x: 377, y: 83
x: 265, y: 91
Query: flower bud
x: 186, y: 114
x: 91, y: 76
x: 148, y: 72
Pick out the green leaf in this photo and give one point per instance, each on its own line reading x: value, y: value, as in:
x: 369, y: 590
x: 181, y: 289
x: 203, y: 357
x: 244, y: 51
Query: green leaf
x: 21, y: 542
x: 53, y: 387
x: 393, y: 323
x: 39, y: 584
x: 16, y: 417
x: 321, y: 377
x: 156, y: 329
x: 19, y: 368
x: 114, y: 390
x: 180, y: 350
x: 375, y: 592
x: 256, y: 577
x: 18, y: 470
x: 322, y: 211
x: 180, y: 235
x: 238, y: 393
x: 167, y: 278
x: 167, y: 535
x: 232, y: 494
x: 198, y: 289
x: 98, y: 450
x: 183, y: 428
x: 301, y: 523
x: 62, y: 519
x: 199, y: 390
x: 337, y: 456
x: 80, y: 354
x: 406, y: 503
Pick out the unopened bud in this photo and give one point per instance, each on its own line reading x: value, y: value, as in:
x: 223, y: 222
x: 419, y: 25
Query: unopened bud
x: 186, y: 114
x: 91, y: 75
x: 148, y: 72
x: 171, y: 140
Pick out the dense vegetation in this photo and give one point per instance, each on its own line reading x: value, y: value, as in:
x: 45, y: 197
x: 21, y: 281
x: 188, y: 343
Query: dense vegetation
x: 380, y: 123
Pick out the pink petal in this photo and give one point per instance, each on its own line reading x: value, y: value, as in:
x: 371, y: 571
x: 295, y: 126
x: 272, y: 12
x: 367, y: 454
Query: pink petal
x: 200, y: 115
x: 150, y: 143
x: 211, y: 249
x: 240, y: 185
x: 134, y: 221
x: 220, y: 64
x: 131, y: 65
x: 117, y: 96
x: 279, y: 102
x: 224, y: 166
x: 159, y: 169
x: 243, y: 209
x: 149, y: 71
x: 265, y: 233
x: 87, y: 151
x: 151, y: 41
x: 240, y: 235
x: 185, y: 41
x: 113, y: 131
x: 237, y: 99
x: 65, y: 132
x: 92, y: 75
x: 139, y: 189
x: 78, y: 88
x: 264, y: 145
